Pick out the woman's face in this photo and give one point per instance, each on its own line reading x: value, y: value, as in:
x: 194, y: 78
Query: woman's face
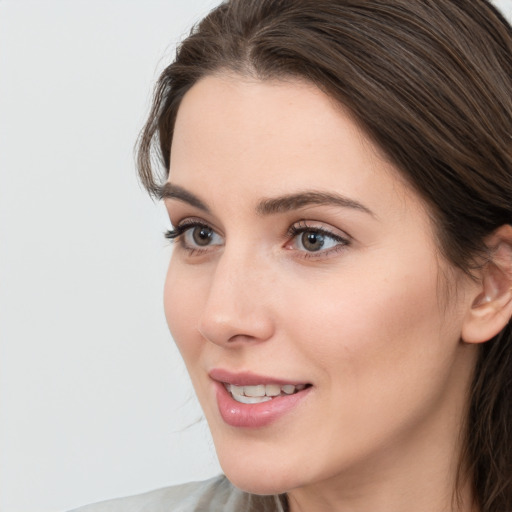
x: 307, y: 271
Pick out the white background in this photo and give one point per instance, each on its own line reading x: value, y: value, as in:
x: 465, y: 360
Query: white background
x: 95, y: 402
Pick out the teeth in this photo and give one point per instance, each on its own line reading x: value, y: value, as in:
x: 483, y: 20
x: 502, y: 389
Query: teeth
x: 236, y: 390
x: 261, y: 392
x: 272, y: 390
x: 254, y: 390
x: 251, y: 399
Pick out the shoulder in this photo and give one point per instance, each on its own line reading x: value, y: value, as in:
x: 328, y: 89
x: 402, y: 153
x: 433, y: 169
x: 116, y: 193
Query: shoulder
x: 216, y: 494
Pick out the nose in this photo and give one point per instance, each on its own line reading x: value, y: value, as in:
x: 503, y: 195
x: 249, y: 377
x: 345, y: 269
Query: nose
x: 238, y: 305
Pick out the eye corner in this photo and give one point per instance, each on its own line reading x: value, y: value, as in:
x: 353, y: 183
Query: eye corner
x: 171, y: 234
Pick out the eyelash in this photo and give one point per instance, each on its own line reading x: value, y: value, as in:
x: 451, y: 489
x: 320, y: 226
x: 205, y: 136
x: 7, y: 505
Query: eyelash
x: 176, y: 235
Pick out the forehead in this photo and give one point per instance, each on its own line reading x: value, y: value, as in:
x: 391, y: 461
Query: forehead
x: 265, y: 138
x: 248, y: 110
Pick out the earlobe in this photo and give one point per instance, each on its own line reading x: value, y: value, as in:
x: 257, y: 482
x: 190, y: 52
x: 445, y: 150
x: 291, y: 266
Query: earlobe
x: 491, y: 308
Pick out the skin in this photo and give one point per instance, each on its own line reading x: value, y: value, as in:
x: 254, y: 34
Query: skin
x: 366, y: 322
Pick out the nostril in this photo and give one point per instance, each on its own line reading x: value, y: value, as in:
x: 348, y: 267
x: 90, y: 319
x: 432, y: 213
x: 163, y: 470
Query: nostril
x: 236, y: 328
x: 242, y: 338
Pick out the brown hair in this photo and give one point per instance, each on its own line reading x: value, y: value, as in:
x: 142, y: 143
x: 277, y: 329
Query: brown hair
x: 430, y: 81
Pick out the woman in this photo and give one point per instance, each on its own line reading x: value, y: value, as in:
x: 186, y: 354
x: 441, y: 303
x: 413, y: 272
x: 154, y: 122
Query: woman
x: 338, y: 174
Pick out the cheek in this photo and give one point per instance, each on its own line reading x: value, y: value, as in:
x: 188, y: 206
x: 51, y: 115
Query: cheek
x: 381, y: 353
x: 366, y: 329
x: 181, y: 305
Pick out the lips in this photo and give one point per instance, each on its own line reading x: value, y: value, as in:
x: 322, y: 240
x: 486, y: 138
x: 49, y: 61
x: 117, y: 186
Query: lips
x: 252, y: 401
x: 248, y: 378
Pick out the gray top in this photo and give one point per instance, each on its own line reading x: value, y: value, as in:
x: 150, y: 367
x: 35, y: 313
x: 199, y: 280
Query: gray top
x: 214, y: 495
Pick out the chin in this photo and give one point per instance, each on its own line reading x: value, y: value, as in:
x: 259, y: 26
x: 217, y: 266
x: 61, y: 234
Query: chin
x: 261, y: 482
x: 260, y: 473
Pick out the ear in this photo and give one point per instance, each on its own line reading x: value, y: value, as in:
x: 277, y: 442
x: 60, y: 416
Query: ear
x: 491, y: 308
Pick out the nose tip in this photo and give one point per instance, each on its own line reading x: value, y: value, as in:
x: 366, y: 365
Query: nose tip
x: 228, y: 318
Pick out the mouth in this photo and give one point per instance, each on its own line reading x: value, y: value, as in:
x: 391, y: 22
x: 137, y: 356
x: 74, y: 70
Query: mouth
x: 248, y: 400
x: 259, y: 393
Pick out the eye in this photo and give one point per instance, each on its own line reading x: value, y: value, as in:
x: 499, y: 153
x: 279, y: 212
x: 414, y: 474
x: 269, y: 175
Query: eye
x: 194, y: 235
x: 315, y: 240
x: 311, y: 239
x: 199, y: 235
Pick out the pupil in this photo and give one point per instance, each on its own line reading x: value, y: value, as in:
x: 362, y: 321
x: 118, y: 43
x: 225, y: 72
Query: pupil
x: 312, y: 241
x: 202, y: 235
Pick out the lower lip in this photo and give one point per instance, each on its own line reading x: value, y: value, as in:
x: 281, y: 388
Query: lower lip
x: 241, y: 415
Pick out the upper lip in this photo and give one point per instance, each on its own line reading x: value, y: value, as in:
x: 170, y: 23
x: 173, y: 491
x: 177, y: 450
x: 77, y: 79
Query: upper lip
x: 247, y: 378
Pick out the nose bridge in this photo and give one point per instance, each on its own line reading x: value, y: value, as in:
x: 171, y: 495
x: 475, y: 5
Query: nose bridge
x: 236, y: 308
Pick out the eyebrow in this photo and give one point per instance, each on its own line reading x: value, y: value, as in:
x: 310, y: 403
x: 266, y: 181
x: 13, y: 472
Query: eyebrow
x: 171, y: 191
x: 292, y: 202
x: 271, y: 206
